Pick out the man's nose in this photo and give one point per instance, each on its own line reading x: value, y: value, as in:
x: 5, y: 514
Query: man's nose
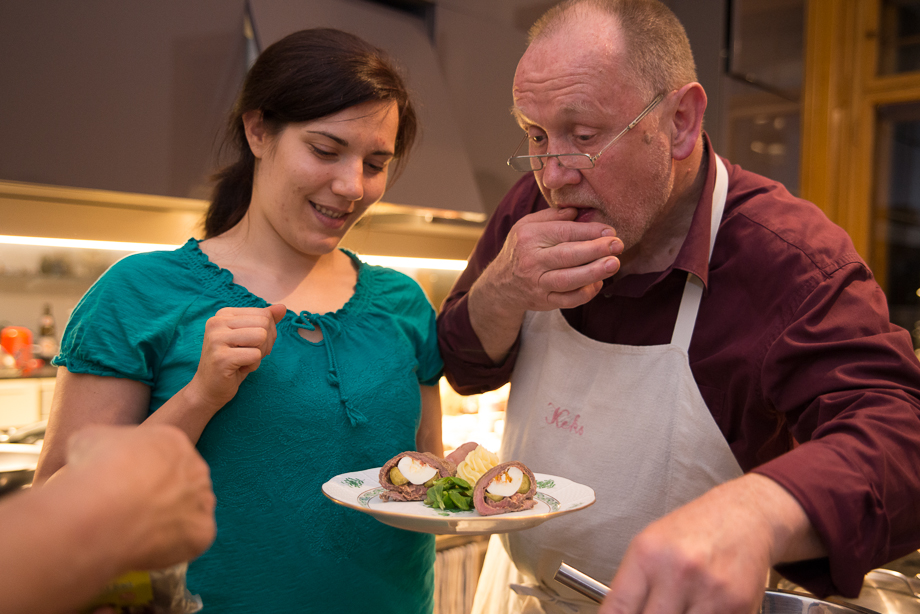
x: 555, y: 176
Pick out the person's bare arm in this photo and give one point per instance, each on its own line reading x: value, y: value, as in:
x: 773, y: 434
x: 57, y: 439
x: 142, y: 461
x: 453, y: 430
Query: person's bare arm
x: 547, y: 262
x: 428, y: 438
x: 130, y: 499
x: 713, y: 554
x: 82, y: 400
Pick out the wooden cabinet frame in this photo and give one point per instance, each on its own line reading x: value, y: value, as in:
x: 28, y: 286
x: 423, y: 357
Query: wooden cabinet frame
x: 842, y: 92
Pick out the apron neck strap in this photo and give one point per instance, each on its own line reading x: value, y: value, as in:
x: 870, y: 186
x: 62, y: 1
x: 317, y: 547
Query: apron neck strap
x: 693, y: 289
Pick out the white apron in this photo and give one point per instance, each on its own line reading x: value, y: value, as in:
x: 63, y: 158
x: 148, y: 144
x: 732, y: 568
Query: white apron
x: 628, y: 421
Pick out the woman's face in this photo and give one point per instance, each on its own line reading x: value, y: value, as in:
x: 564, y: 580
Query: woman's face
x: 314, y: 179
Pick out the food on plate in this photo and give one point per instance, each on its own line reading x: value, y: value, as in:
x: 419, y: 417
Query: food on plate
x: 477, y: 481
x: 476, y: 464
x: 507, y: 487
x: 450, y: 493
x: 457, y: 456
x: 407, y: 476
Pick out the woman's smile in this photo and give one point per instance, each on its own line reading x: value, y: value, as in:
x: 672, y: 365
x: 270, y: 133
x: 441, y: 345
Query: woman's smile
x: 329, y: 212
x: 330, y: 218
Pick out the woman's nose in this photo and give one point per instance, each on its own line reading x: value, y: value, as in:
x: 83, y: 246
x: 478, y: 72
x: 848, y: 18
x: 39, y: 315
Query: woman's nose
x: 349, y: 182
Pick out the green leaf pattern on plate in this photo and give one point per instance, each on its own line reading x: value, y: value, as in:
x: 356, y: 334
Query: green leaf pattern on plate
x: 365, y: 498
x: 546, y: 484
x: 353, y: 482
x: 552, y: 503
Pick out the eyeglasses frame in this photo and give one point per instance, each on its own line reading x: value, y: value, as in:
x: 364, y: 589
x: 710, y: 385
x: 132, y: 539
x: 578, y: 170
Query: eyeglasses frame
x: 590, y: 158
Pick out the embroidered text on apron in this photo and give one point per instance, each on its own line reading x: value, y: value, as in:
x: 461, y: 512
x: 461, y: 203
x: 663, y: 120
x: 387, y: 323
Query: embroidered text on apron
x: 629, y: 421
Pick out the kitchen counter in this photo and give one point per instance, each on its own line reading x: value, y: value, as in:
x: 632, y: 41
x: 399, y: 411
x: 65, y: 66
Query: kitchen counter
x: 46, y: 371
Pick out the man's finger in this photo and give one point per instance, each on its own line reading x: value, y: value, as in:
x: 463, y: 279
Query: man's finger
x: 628, y: 594
x: 565, y: 231
x: 569, y: 279
x: 552, y: 214
x: 574, y: 254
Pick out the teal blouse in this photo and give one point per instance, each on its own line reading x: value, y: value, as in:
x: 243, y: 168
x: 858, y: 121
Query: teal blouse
x: 310, y: 412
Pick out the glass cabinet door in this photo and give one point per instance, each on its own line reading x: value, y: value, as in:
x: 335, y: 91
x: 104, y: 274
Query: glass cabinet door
x: 895, y: 254
x: 899, y: 37
x: 895, y: 199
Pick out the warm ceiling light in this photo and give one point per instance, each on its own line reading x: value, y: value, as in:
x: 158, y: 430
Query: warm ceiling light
x: 395, y: 262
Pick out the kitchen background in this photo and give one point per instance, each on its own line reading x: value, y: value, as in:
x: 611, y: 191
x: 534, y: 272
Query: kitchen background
x: 110, y: 114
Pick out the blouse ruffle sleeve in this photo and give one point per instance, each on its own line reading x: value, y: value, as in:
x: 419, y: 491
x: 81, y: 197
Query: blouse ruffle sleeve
x: 406, y: 301
x: 124, y: 322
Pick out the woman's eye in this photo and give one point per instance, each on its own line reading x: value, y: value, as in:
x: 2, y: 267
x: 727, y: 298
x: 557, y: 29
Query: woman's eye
x: 323, y: 153
x: 376, y: 166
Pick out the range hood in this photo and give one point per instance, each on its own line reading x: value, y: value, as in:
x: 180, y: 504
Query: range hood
x: 438, y: 183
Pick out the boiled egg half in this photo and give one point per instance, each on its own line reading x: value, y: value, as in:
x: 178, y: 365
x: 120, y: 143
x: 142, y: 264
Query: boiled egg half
x: 506, y: 483
x: 414, y: 471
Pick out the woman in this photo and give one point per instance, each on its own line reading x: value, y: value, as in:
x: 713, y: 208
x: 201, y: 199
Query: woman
x: 287, y: 360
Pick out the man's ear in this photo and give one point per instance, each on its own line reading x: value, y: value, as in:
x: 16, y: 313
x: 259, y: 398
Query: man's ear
x: 687, y: 121
x: 256, y: 133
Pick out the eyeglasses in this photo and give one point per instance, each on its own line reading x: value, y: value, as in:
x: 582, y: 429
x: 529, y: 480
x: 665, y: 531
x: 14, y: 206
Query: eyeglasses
x: 578, y: 161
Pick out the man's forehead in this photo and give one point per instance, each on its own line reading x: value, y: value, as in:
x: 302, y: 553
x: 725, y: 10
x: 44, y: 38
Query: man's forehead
x: 568, y: 110
x: 584, y: 30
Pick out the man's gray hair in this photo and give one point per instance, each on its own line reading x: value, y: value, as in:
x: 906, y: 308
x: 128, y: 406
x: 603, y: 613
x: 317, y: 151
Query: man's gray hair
x: 657, y: 50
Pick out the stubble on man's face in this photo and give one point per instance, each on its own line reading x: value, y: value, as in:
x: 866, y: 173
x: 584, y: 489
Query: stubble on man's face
x: 631, y: 206
x: 580, y: 66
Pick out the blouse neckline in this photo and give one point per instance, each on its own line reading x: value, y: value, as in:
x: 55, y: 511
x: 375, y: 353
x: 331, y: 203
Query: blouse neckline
x: 220, y: 280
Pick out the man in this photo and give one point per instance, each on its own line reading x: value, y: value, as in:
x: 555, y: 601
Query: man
x: 130, y: 499
x: 706, y: 351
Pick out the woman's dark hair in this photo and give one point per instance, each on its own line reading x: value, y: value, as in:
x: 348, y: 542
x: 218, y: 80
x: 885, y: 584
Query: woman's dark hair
x: 305, y: 76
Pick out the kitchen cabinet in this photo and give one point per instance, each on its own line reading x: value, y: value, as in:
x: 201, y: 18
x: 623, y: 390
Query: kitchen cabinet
x: 25, y: 400
x: 132, y: 97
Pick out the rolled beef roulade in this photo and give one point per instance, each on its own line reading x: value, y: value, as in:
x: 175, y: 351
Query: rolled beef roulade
x: 408, y: 475
x: 508, y: 487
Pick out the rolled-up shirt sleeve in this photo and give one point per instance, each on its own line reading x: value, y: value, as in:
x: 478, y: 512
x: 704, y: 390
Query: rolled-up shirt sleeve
x: 847, y: 381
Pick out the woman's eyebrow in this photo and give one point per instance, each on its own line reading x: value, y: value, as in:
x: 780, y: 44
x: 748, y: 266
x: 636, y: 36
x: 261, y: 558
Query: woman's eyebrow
x: 344, y: 142
x: 333, y: 137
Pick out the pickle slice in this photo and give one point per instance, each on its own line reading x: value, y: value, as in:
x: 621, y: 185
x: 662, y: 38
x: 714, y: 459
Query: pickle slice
x: 397, y: 477
x: 492, y: 497
x: 525, y: 485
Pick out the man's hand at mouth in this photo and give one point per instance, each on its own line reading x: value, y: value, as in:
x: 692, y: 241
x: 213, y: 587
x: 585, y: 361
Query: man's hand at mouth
x: 549, y: 261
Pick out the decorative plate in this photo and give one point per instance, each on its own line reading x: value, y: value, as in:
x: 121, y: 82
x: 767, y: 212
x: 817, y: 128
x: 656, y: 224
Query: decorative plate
x: 360, y: 490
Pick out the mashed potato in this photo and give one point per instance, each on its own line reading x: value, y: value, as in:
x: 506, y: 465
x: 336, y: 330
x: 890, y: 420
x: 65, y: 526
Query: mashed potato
x: 476, y: 464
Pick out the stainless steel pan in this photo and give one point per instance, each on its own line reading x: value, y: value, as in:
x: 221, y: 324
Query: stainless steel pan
x: 17, y: 465
x: 774, y: 602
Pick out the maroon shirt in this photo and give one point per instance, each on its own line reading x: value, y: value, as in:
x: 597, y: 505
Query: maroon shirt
x: 792, y: 344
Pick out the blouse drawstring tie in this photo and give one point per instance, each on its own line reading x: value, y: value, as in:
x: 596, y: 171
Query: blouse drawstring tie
x: 330, y: 328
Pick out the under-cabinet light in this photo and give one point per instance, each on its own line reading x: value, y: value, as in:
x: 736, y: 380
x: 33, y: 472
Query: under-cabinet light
x: 397, y: 262
x: 118, y: 246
